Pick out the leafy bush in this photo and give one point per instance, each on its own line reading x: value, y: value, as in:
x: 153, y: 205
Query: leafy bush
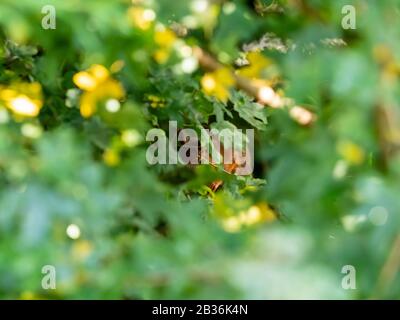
x: 77, y: 193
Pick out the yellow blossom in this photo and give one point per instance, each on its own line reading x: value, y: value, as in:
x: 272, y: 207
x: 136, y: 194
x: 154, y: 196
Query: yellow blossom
x: 155, y: 101
x: 256, y: 214
x: 164, y: 39
x: 141, y: 17
x: 29, y: 295
x: 382, y: 53
x: 23, y: 99
x: 81, y: 249
x: 111, y: 157
x: 218, y: 83
x: 131, y: 138
x: 385, y: 57
x: 97, y: 85
x: 161, y: 55
x: 231, y: 224
x: 351, y: 152
x: 257, y: 63
x: 267, y: 213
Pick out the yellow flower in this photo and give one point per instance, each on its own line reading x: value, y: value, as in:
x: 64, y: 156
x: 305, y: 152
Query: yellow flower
x: 351, y: 152
x: 131, y: 138
x: 382, y: 53
x: 218, y: 83
x: 155, y: 101
x: 165, y: 40
x: 111, y: 157
x: 161, y: 55
x: 256, y: 214
x: 267, y: 213
x: 28, y: 295
x: 257, y: 63
x: 164, y: 37
x: 81, y: 249
x: 231, y: 224
x: 23, y: 99
x: 141, y: 17
x: 97, y: 85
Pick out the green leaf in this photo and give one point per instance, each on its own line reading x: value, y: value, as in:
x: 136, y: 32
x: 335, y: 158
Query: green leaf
x: 252, y: 112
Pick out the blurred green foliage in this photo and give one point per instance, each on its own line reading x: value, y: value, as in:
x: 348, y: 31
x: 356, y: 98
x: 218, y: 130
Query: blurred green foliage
x: 157, y: 231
